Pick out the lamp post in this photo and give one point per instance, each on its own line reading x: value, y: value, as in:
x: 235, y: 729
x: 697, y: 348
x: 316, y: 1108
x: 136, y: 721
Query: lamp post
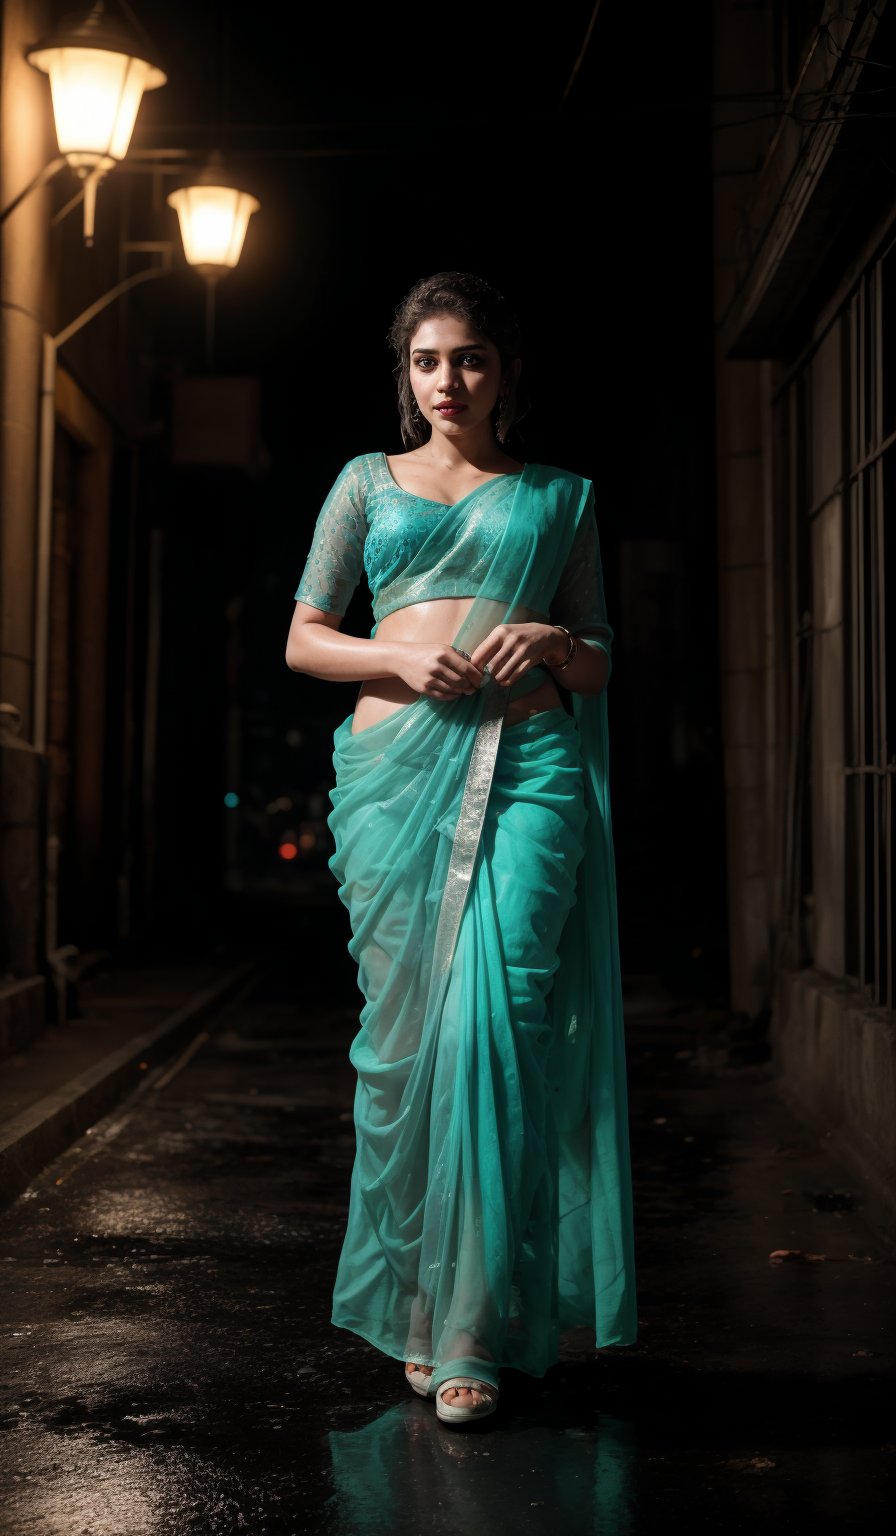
x: 213, y: 222
x: 213, y: 216
x: 98, y: 71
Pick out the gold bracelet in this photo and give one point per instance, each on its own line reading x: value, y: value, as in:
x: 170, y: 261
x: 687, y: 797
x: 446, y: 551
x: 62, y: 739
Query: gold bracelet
x: 558, y: 666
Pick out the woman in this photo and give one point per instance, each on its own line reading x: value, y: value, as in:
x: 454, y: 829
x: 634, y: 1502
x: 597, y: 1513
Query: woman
x: 490, y: 1203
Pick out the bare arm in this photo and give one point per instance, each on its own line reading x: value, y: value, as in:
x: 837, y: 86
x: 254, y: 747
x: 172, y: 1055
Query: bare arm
x: 314, y: 645
x: 588, y: 672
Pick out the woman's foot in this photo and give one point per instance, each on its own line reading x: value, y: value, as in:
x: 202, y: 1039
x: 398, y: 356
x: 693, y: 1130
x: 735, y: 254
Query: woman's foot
x: 466, y: 1397
x: 418, y: 1376
x: 456, y: 1397
x: 460, y: 1399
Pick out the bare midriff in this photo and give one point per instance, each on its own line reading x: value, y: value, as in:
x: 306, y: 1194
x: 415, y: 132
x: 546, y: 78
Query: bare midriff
x: 438, y: 620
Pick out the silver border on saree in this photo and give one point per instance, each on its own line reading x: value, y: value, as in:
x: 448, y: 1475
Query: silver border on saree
x: 470, y: 818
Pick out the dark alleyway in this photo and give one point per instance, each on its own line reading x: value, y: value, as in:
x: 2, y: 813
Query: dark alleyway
x: 169, y: 1366
x: 176, y: 996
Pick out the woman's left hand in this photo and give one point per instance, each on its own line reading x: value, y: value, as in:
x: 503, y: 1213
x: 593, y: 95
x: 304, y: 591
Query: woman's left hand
x: 511, y: 650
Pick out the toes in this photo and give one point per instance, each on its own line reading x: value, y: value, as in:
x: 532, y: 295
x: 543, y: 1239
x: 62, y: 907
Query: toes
x: 461, y: 1395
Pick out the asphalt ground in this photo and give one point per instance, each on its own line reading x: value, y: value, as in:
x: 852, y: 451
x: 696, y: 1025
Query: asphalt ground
x: 167, y: 1362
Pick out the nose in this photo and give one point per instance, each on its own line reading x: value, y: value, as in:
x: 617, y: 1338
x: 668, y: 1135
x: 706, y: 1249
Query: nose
x: 447, y: 377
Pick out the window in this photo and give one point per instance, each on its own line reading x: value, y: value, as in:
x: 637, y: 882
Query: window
x: 834, y: 477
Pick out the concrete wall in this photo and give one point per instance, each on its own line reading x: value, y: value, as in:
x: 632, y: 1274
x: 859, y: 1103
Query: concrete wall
x: 792, y: 229
x: 48, y: 277
x: 836, y: 1060
x: 742, y: 65
x: 27, y: 143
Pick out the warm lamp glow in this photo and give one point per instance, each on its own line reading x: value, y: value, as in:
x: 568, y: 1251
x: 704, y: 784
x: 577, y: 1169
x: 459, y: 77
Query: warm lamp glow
x: 213, y: 223
x: 98, y: 73
x: 96, y: 96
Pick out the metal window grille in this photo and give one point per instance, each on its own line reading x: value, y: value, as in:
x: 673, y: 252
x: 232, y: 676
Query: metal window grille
x: 869, y: 571
x: 867, y: 486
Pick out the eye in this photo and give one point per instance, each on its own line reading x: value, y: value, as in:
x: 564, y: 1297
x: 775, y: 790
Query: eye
x: 473, y: 358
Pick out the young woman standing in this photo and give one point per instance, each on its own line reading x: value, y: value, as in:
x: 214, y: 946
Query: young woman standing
x: 490, y: 1203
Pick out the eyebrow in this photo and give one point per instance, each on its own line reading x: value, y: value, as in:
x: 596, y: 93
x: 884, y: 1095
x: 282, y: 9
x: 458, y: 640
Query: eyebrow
x: 465, y: 346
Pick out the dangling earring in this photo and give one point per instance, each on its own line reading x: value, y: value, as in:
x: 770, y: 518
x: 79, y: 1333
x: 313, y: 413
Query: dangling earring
x: 499, y: 427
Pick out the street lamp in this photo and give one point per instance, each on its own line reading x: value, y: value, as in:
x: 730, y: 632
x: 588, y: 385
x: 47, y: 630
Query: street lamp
x: 213, y: 216
x: 98, y: 71
x: 213, y: 219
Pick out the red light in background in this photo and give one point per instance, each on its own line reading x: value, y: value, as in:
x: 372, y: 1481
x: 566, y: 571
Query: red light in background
x: 288, y: 851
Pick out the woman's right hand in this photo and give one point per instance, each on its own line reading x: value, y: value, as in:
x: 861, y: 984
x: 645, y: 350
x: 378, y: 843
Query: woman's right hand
x: 436, y: 669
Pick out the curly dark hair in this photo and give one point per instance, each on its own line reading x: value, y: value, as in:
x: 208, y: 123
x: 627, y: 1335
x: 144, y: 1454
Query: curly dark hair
x: 486, y: 310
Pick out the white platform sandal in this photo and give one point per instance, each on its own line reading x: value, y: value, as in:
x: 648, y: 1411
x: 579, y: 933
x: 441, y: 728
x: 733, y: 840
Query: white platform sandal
x: 453, y: 1373
x: 421, y: 1383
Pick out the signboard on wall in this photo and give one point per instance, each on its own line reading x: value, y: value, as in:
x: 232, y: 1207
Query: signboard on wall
x: 218, y: 421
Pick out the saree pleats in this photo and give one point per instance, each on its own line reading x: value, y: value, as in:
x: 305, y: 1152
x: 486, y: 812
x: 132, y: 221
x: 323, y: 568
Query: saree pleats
x: 453, y: 1246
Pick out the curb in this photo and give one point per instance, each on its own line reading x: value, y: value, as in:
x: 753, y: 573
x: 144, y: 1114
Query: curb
x: 45, y: 1129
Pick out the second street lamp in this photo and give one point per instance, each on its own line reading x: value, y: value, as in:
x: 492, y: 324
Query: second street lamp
x: 213, y: 223
x: 213, y: 215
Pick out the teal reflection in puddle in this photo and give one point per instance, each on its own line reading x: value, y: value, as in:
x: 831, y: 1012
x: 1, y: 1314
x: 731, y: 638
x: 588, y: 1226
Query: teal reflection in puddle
x: 406, y: 1473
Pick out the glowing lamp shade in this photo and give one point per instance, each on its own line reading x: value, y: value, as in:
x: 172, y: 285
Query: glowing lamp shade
x: 96, y: 96
x: 213, y: 224
x: 98, y: 74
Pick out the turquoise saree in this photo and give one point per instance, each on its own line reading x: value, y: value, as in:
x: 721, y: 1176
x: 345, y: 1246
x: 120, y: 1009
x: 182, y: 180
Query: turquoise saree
x: 490, y: 1206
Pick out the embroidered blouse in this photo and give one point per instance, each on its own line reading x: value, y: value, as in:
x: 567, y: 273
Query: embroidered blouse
x: 368, y: 523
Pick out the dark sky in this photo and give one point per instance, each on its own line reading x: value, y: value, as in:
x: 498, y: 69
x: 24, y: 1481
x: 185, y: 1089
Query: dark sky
x: 388, y: 145
x: 453, y: 139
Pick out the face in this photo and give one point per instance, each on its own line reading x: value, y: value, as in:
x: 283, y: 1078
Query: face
x: 452, y: 365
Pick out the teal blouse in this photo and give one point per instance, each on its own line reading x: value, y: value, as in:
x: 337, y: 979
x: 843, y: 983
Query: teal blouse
x: 369, y: 524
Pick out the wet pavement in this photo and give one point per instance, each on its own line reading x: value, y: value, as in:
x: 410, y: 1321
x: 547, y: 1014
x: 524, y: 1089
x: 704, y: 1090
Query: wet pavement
x: 168, y: 1366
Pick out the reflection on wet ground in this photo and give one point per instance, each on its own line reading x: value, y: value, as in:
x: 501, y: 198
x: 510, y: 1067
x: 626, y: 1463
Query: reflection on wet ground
x: 168, y: 1365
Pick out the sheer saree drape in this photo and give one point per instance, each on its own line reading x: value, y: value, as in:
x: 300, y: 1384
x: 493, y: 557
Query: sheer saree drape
x: 490, y: 1204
